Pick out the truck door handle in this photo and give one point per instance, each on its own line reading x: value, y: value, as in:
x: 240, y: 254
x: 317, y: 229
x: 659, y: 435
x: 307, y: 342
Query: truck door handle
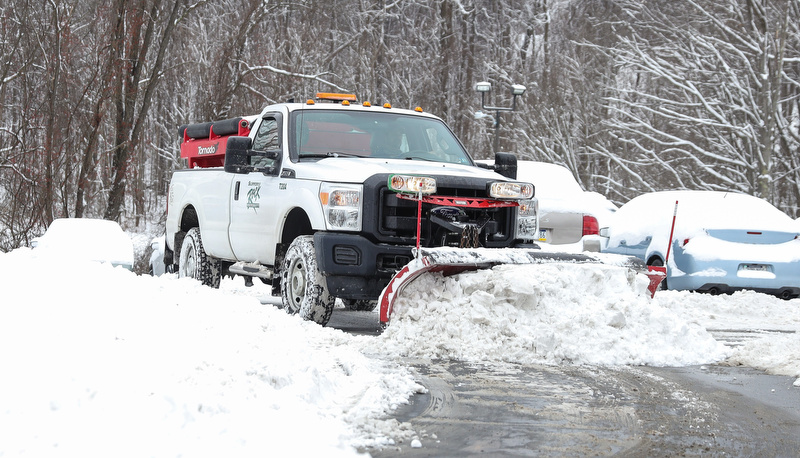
x: 236, y: 191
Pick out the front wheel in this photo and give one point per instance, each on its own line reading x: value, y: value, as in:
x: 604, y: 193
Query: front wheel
x: 195, y: 263
x: 304, y: 290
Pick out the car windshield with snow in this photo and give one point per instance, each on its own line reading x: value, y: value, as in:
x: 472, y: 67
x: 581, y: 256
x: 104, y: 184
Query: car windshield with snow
x: 722, y: 241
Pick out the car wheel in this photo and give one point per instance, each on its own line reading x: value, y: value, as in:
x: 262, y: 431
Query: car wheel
x: 304, y: 290
x: 360, y: 305
x: 657, y: 262
x: 195, y: 263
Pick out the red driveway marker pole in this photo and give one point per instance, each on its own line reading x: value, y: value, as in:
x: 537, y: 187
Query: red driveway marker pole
x: 671, y: 232
x: 657, y: 274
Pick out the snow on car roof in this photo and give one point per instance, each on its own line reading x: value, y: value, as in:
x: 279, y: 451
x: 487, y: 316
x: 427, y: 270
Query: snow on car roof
x: 558, y: 191
x: 86, y: 238
x: 652, y: 213
x: 551, y: 180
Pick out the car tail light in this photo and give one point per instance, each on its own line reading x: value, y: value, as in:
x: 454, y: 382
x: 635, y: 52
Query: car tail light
x: 685, y: 242
x: 590, y: 225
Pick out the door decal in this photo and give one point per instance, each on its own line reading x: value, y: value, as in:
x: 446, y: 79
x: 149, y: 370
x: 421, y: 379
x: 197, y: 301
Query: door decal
x: 254, y: 195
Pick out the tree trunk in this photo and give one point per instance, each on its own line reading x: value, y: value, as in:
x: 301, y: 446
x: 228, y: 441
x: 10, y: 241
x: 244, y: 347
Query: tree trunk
x: 129, y: 124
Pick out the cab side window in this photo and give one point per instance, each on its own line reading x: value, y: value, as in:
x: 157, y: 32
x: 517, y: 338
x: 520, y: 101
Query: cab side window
x: 267, y: 136
x: 267, y: 139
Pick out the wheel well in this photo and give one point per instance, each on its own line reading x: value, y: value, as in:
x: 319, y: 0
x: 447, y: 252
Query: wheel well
x: 188, y: 220
x: 297, y: 224
x: 654, y: 258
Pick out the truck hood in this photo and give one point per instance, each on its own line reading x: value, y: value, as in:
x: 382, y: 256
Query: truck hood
x: 357, y: 170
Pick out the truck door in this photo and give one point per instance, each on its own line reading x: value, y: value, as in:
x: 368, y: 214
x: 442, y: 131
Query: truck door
x: 254, y: 220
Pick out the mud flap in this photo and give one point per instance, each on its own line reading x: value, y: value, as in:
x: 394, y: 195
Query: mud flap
x: 451, y: 261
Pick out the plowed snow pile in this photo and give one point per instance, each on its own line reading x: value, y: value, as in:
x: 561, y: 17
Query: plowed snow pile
x: 96, y: 361
x: 99, y: 362
x: 552, y: 313
x: 764, y: 330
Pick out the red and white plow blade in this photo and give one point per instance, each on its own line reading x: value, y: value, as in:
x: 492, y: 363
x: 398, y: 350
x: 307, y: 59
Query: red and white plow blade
x: 451, y: 261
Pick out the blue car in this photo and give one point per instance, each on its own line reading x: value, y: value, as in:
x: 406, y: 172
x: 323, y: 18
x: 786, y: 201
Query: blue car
x: 722, y: 241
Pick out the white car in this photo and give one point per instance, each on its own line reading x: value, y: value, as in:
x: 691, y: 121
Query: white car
x: 568, y: 216
x: 86, y: 239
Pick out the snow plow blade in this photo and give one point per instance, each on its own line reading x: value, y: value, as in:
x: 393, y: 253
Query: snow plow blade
x: 452, y: 261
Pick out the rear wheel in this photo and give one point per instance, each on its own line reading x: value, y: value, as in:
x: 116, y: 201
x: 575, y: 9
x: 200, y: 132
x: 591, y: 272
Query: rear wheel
x: 304, y: 290
x: 195, y: 263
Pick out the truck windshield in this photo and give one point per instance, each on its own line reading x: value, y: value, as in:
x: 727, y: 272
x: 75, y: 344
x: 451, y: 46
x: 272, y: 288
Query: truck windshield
x: 332, y: 133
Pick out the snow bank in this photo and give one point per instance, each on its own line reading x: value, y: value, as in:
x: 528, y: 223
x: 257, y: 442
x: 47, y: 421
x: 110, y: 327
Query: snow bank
x: 551, y: 313
x: 771, y: 326
x: 99, y: 362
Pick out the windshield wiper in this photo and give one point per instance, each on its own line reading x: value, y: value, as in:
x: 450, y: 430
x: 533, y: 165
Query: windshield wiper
x: 419, y: 158
x: 328, y: 154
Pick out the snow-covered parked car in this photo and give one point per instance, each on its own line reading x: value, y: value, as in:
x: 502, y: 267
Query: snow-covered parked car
x: 86, y: 239
x: 722, y: 241
x: 568, y: 216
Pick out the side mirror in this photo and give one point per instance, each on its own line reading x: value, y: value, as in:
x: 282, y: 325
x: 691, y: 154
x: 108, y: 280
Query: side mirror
x: 506, y: 164
x: 237, y: 155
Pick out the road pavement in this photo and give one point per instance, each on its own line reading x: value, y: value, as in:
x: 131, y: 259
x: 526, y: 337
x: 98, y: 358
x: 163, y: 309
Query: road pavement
x: 541, y: 410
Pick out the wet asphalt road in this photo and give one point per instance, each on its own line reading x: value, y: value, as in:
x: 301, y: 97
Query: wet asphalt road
x: 532, y: 410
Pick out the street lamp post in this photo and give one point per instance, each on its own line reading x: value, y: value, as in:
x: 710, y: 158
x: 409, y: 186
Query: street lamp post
x: 485, y: 87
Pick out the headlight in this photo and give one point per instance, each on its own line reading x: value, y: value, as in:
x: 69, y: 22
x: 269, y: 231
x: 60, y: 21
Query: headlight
x: 510, y: 190
x: 412, y: 184
x: 342, y: 206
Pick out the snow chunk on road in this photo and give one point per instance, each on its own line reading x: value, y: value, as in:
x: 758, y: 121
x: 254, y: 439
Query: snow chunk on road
x: 549, y: 313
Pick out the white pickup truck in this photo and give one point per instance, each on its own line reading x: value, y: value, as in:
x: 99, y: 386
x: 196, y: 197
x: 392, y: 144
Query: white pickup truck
x: 309, y: 197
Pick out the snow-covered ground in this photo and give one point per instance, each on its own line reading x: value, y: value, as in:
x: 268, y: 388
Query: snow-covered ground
x: 97, y: 361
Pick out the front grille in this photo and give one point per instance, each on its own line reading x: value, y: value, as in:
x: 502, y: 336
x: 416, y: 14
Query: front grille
x: 397, y: 218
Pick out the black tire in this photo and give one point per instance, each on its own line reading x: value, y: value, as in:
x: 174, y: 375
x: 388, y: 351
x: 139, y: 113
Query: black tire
x: 657, y: 262
x: 360, y: 305
x: 304, y: 290
x: 195, y: 263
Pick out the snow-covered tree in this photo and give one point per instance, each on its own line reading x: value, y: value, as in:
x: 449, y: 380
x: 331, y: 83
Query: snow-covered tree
x: 702, y: 94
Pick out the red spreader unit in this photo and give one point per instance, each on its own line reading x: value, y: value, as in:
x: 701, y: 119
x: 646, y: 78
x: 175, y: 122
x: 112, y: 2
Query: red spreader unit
x: 204, y: 144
